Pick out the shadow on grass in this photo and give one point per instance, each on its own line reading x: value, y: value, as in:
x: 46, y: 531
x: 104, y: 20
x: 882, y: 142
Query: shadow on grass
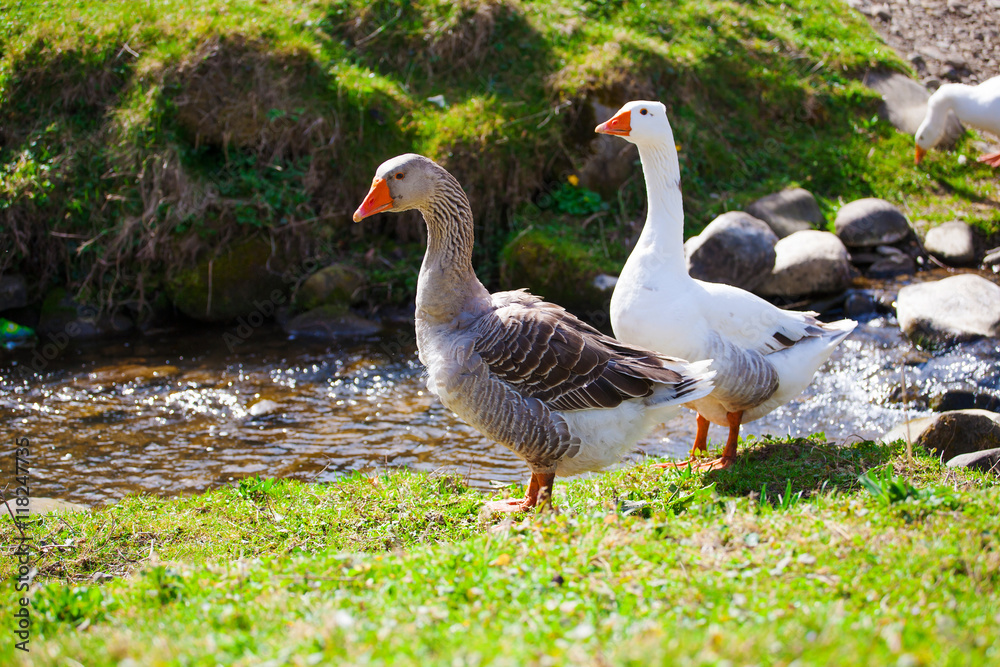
x: 809, y: 465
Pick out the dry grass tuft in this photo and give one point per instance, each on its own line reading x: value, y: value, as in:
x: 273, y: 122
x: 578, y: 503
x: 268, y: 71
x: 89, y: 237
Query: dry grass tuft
x: 236, y: 93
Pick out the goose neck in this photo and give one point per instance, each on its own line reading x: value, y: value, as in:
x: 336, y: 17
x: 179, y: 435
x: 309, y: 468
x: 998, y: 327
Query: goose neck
x: 664, y: 228
x: 447, y: 285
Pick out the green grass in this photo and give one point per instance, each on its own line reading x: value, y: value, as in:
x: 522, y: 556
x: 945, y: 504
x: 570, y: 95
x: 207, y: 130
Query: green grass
x: 639, y: 566
x: 138, y: 137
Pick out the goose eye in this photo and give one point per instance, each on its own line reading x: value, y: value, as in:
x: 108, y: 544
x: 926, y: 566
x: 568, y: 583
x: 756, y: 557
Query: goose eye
x: 400, y: 176
x: 643, y: 112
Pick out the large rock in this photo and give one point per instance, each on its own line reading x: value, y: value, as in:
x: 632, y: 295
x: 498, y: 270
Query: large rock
x: 63, y: 319
x: 904, y: 104
x: 959, y: 308
x: 960, y: 432
x: 330, y: 322
x: 244, y: 280
x: 808, y: 262
x: 952, y: 242
x: 870, y: 222
x: 334, y: 285
x: 13, y: 292
x: 735, y: 248
x: 987, y: 460
x: 969, y: 430
x: 789, y: 211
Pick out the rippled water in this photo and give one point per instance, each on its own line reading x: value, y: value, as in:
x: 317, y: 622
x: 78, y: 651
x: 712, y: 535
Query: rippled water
x: 173, y: 413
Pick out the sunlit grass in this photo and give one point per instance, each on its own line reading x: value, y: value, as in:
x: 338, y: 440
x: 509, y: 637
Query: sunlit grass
x: 786, y: 557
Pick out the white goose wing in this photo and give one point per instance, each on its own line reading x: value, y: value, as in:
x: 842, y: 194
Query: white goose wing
x: 751, y: 323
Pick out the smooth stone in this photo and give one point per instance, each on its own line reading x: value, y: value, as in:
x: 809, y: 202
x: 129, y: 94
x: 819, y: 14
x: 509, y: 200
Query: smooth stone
x: 958, y: 308
x: 890, y: 266
x: 870, y: 222
x: 808, y: 262
x: 735, y: 248
x: 904, y: 104
x: 964, y: 399
x: 955, y: 433
x: 987, y: 460
x: 992, y: 257
x: 915, y: 428
x: 789, y: 211
x: 38, y: 505
x: 952, y: 242
x: 264, y: 407
x: 330, y: 286
x: 13, y: 292
x: 330, y: 322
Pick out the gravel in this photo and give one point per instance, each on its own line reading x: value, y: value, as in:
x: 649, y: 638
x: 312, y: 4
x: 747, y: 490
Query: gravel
x: 945, y: 40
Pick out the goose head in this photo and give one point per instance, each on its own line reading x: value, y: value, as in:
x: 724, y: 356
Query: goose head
x: 933, y: 126
x: 402, y: 183
x: 639, y: 122
x: 927, y: 136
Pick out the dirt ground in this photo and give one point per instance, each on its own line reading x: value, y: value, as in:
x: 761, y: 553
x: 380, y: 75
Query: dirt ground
x: 946, y: 40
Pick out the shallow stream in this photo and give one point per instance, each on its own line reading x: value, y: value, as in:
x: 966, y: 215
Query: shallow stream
x: 174, y: 413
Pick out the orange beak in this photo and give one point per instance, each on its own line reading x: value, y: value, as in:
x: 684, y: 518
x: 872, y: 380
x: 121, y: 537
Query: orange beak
x: 919, y: 155
x: 620, y: 125
x: 378, y: 200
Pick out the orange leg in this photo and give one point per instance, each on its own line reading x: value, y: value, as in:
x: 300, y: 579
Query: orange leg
x: 700, y: 446
x: 539, y: 486
x: 992, y: 159
x: 728, y: 453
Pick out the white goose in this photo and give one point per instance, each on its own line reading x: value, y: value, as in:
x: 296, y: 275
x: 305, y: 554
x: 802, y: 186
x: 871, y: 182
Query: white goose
x: 978, y: 106
x: 527, y: 374
x: 763, y: 356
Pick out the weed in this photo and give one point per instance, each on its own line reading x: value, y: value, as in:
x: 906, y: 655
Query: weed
x: 890, y: 490
x: 257, y: 490
x: 56, y: 603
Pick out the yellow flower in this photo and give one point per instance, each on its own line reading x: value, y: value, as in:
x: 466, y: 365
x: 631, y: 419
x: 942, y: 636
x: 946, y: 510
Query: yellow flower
x: 573, y: 179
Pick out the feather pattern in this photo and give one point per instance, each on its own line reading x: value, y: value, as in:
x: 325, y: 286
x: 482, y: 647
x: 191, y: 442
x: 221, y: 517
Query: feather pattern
x: 526, y: 373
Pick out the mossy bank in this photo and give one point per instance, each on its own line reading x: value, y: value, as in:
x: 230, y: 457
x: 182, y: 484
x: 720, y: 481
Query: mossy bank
x: 140, y: 142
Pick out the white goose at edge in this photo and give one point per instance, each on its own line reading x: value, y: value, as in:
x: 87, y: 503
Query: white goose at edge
x: 763, y: 356
x: 978, y: 106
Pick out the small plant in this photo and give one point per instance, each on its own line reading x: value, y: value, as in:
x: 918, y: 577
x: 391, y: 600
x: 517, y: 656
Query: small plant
x: 786, y: 500
x: 892, y: 490
x: 57, y: 603
x: 573, y: 200
x: 166, y: 584
x: 257, y: 490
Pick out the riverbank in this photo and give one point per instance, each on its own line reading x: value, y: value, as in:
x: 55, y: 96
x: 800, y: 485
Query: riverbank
x: 786, y: 557
x: 189, y: 162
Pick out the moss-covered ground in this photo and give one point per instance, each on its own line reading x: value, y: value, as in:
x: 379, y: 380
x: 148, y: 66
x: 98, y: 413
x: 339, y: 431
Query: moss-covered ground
x: 139, y: 137
x: 785, y: 559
